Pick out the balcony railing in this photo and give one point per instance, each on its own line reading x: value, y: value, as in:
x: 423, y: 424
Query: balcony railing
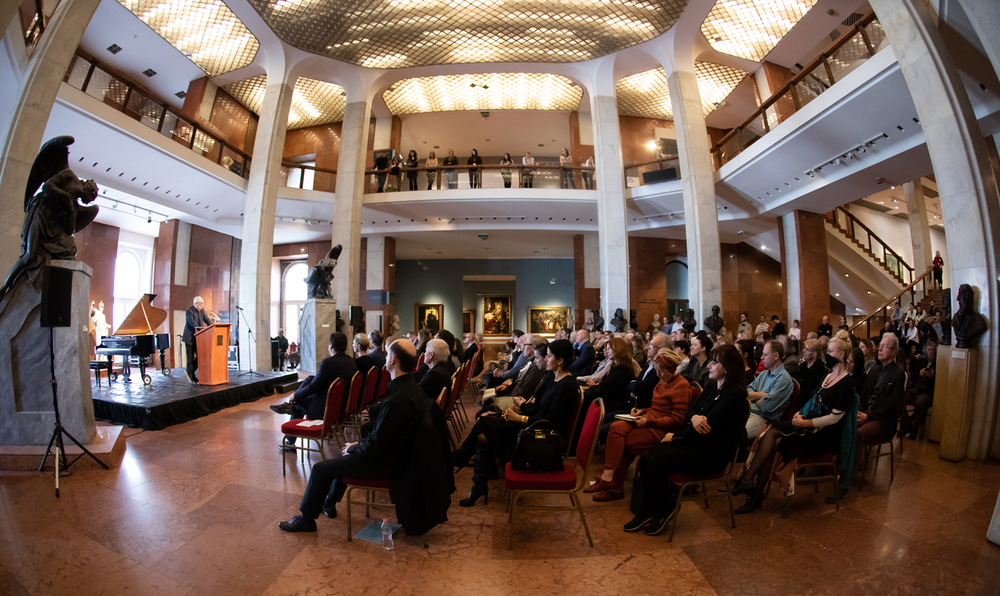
x: 635, y: 174
x: 34, y: 21
x: 870, y: 242
x: 308, y: 177
x: 536, y: 176
x: 852, y: 49
x: 99, y: 81
x: 917, y: 289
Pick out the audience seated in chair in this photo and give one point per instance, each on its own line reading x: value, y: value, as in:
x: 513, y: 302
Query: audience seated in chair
x: 770, y: 391
x: 878, y: 410
x: 530, y: 376
x: 670, y: 400
x: 697, y: 369
x: 704, y: 445
x: 584, y: 362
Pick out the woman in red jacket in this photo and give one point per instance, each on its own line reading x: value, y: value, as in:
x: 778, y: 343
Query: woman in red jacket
x: 670, y: 400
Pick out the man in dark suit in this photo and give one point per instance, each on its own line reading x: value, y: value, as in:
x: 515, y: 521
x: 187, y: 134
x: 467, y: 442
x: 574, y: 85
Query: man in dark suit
x: 382, y: 455
x: 583, y: 363
x: 530, y: 376
x: 471, y: 347
x: 438, y: 375
x: 195, y: 318
x: 309, y: 399
x: 878, y: 410
x: 377, y: 353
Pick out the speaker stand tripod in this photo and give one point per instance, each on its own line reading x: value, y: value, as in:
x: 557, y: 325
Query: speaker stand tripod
x: 59, y: 431
x: 250, y: 338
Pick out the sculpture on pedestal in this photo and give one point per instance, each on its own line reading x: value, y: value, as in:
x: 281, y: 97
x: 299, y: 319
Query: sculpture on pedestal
x: 688, y: 320
x: 714, y: 323
x: 52, y: 216
x: 394, y: 326
x: 632, y: 323
x: 967, y: 323
x: 318, y: 282
x: 619, y: 321
x: 598, y: 320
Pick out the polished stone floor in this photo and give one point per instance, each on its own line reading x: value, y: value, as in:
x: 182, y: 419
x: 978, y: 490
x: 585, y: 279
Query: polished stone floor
x: 194, y: 508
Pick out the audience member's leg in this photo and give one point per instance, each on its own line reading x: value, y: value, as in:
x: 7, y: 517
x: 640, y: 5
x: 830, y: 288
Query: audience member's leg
x: 920, y: 407
x: 325, y: 473
x: 868, y: 434
x: 754, y: 425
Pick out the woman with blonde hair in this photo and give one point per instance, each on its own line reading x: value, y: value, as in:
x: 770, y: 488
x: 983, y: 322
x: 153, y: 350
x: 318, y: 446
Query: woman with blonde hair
x: 671, y: 397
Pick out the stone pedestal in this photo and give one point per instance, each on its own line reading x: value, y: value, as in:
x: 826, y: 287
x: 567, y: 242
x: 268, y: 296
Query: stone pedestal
x: 26, y: 415
x: 935, y: 422
x: 318, y: 321
x: 956, y: 411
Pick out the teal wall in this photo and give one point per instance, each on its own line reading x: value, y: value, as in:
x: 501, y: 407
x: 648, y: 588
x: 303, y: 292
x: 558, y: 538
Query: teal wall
x: 442, y: 282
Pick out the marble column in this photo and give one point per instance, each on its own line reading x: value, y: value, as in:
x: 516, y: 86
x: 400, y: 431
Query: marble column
x: 968, y: 191
x: 701, y: 218
x: 257, y: 247
x: 790, y: 267
x: 920, y: 229
x: 347, y: 209
x: 985, y: 18
x: 23, y: 126
x: 612, y: 227
x: 807, y: 272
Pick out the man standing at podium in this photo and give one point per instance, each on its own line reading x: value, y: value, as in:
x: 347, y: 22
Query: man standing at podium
x: 196, y: 318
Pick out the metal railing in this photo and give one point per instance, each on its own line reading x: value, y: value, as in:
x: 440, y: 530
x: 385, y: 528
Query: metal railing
x: 855, y: 46
x: 35, y: 26
x: 308, y: 177
x: 883, y: 313
x: 540, y: 175
x: 99, y: 81
x: 856, y: 230
x: 634, y: 172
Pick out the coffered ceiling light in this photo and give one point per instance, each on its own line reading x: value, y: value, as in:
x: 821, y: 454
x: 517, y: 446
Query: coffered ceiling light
x: 432, y: 32
x: 205, y: 31
x: 646, y: 95
x: 313, y: 102
x: 483, y: 92
x: 751, y: 28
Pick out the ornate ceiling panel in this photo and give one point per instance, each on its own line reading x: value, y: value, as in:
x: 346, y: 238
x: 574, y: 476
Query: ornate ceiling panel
x: 495, y: 91
x: 313, y: 102
x: 751, y: 28
x: 402, y: 33
x: 205, y: 31
x: 646, y: 95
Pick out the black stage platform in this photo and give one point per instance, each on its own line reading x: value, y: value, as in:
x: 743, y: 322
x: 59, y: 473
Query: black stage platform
x: 174, y: 399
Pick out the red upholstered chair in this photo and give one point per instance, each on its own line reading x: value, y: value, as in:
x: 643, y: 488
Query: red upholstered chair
x: 568, y: 432
x: 793, y: 402
x: 371, y: 384
x: 383, y: 385
x: 564, y: 482
x: 298, y: 429
x: 811, y: 463
x: 369, y: 486
x: 353, y: 410
x: 420, y: 359
x: 442, y: 399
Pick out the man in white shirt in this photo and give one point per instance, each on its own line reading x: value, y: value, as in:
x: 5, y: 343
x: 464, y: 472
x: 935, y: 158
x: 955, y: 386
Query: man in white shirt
x: 678, y: 324
x: 744, y: 325
x: 528, y: 175
x: 762, y: 327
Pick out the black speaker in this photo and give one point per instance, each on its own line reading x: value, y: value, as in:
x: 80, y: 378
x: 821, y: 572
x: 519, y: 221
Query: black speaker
x: 663, y: 175
x: 57, y: 294
x: 357, y: 316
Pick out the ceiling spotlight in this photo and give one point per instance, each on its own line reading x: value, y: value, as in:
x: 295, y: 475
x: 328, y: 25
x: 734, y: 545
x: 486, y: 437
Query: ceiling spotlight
x: 837, y: 294
x: 149, y: 219
x: 847, y: 275
x: 762, y: 247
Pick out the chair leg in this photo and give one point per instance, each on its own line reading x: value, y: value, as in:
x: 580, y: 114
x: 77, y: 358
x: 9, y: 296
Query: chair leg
x: 510, y: 521
x: 704, y: 492
x: 729, y: 494
x: 350, y: 535
x: 864, y: 470
x: 583, y: 518
x: 677, y: 513
x: 892, y: 457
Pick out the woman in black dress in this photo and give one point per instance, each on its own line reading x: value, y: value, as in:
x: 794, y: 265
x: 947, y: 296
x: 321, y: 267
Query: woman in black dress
x: 494, y: 436
x: 800, y: 436
x: 812, y: 369
x: 475, y: 174
x: 707, y: 441
x: 411, y: 164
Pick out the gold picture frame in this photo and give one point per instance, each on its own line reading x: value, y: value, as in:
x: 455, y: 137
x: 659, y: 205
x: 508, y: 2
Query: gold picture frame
x: 468, y: 320
x: 497, y: 319
x: 546, y: 320
x: 424, y: 316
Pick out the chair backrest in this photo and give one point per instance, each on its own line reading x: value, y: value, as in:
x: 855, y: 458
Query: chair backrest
x: 571, y: 429
x: 383, y: 384
x: 442, y: 398
x: 420, y: 359
x: 793, y: 402
x: 695, y: 392
x: 354, y: 397
x: 452, y: 393
x: 588, y: 437
x: 371, y: 384
x: 331, y: 414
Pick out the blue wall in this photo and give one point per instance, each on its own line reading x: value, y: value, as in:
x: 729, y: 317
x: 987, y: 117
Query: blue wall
x: 442, y: 282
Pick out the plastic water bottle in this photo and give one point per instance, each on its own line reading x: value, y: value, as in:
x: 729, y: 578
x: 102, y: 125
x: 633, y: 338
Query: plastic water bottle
x: 386, y: 534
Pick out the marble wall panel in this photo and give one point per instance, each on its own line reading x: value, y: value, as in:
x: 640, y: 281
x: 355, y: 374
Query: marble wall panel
x: 751, y: 282
x: 97, y: 246
x: 814, y: 274
x: 584, y: 298
x: 324, y: 142
x: 648, y: 278
x: 636, y: 133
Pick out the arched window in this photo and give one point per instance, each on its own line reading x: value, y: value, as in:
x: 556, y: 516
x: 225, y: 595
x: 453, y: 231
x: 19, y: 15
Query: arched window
x: 128, y: 285
x: 294, y: 293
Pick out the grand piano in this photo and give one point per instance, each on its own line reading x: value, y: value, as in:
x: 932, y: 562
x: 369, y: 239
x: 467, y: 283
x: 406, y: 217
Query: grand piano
x: 135, y: 338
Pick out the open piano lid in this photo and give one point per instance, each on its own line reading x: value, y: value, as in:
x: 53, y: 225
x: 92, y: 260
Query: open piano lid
x: 143, y: 319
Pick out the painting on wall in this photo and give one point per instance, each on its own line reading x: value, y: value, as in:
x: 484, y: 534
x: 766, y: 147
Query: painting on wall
x: 498, y: 316
x: 429, y: 316
x: 546, y: 320
x: 469, y: 321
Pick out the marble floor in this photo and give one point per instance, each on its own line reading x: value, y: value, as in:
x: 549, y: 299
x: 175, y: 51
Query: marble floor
x: 193, y: 509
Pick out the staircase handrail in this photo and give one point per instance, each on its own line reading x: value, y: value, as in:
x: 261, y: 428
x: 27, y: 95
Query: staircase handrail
x: 886, y: 249
x: 893, y: 300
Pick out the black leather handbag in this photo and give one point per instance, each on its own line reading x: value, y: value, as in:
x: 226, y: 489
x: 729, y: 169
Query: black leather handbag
x: 538, y: 450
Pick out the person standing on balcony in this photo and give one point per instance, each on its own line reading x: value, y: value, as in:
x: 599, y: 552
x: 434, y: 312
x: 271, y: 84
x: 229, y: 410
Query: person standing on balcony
x: 411, y: 164
x: 381, y: 164
x: 762, y: 327
x: 431, y: 162
x: 505, y: 172
x: 451, y: 160
x: 825, y: 328
x: 565, y: 160
x: 475, y: 174
x: 938, y: 270
x: 588, y: 176
x: 527, y: 160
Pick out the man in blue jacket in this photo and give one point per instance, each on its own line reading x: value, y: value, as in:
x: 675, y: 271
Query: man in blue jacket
x: 583, y: 363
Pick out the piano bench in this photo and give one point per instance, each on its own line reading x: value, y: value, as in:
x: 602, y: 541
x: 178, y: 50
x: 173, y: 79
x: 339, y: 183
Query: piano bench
x: 97, y: 366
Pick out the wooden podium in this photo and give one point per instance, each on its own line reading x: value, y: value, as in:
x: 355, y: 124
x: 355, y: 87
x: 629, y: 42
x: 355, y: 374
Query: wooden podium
x: 213, y: 354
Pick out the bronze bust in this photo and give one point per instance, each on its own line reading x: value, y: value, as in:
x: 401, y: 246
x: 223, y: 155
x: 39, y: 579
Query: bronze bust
x: 714, y: 323
x: 967, y: 323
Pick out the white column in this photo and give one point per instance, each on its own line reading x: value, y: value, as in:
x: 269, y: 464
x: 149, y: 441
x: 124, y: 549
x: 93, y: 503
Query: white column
x: 612, y: 227
x: 920, y: 230
x: 347, y: 209
x: 258, y: 221
x: 701, y: 219
x: 23, y: 126
x: 793, y: 280
x: 969, y: 199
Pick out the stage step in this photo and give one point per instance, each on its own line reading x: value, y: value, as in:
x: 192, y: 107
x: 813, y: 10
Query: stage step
x: 287, y: 387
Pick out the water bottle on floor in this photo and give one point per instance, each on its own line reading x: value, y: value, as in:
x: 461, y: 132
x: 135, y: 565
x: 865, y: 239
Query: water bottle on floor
x: 386, y: 534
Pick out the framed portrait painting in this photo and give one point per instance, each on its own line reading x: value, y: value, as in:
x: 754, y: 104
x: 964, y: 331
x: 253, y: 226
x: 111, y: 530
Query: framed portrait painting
x: 429, y: 316
x: 546, y: 320
x: 497, y: 318
x: 469, y: 321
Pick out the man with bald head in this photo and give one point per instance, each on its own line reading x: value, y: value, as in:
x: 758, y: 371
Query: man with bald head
x: 584, y: 362
x: 382, y: 455
x: 194, y: 319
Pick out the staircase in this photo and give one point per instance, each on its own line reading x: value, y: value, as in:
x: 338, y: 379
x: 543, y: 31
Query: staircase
x: 868, y: 242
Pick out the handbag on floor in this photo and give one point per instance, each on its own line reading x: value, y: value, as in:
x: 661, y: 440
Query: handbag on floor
x: 538, y: 449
